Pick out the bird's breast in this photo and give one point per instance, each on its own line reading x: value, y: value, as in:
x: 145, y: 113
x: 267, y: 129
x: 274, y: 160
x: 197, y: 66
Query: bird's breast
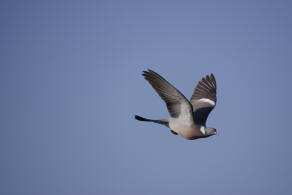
x: 185, y: 127
x: 190, y: 133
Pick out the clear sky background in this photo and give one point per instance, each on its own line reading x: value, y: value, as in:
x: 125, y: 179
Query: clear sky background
x: 70, y: 81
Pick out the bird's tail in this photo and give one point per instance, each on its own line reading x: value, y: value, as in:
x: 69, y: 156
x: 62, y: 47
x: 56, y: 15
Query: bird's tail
x: 162, y: 121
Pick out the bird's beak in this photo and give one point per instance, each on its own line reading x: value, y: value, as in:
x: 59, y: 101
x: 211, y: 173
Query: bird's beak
x: 217, y: 134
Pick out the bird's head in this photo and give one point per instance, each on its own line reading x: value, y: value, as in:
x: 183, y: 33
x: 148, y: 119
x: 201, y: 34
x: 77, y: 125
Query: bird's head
x: 211, y: 131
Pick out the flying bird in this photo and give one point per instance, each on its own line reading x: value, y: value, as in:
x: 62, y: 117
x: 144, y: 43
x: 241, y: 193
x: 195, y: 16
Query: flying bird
x: 188, y: 117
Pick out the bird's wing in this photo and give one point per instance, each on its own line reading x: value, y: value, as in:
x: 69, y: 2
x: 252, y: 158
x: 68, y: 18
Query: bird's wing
x: 204, y: 99
x: 173, y: 98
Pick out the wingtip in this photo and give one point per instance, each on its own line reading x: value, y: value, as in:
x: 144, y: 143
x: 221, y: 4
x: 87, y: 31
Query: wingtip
x: 148, y: 70
x: 144, y: 73
x: 209, y: 75
x: 149, y: 73
x: 212, y: 75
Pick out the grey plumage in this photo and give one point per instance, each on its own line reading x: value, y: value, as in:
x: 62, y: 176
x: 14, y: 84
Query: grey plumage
x: 161, y: 122
x: 206, y: 88
x: 172, y: 97
x: 188, y: 118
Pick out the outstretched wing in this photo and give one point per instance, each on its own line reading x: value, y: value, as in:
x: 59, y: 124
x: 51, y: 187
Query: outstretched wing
x: 204, y: 99
x: 175, y: 101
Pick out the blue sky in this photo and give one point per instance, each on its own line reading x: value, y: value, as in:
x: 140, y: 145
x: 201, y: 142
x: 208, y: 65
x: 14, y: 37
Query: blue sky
x: 71, y: 84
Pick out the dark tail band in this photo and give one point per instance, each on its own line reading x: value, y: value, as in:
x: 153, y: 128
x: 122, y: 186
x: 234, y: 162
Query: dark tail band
x: 162, y: 122
x: 139, y: 118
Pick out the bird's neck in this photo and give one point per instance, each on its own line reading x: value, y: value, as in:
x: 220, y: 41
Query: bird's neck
x: 203, y: 130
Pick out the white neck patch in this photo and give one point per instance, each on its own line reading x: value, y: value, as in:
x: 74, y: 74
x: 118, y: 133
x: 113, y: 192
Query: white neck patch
x: 202, y: 129
x: 207, y: 101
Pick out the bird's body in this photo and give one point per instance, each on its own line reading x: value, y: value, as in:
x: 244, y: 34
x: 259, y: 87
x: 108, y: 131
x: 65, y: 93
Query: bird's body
x: 184, y: 125
x: 188, y: 118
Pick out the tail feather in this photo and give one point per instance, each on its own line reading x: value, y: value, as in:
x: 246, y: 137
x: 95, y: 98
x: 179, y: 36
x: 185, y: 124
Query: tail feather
x: 140, y: 118
x: 162, y: 122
